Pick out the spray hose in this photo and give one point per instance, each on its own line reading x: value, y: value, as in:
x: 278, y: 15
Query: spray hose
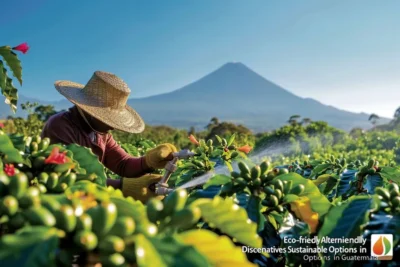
x: 161, y: 188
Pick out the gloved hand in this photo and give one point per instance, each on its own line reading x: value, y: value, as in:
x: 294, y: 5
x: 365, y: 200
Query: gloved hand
x: 158, y: 157
x: 138, y: 188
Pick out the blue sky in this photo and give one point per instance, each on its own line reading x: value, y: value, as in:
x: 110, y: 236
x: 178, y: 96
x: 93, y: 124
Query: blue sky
x: 342, y: 53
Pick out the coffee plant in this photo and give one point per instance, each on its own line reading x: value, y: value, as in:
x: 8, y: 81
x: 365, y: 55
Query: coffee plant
x: 56, y: 210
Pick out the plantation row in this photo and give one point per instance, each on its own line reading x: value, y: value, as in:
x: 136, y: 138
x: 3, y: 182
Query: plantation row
x: 57, y: 211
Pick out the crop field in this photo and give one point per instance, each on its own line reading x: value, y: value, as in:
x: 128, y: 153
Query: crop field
x: 301, y: 195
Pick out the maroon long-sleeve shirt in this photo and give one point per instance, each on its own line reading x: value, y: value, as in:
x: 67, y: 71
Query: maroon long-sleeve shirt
x: 69, y: 127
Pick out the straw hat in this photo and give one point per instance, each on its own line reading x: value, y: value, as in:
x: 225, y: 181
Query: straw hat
x: 105, y: 98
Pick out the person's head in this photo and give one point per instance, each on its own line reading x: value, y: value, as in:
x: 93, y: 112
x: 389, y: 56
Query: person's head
x: 102, y: 102
x: 96, y: 124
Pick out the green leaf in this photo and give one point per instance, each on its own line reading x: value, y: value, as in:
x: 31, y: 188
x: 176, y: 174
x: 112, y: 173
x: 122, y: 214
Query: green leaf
x: 290, y: 198
x: 391, y: 173
x: 372, y: 182
x: 230, y: 219
x: 89, y: 162
x: 219, y: 139
x: 3, y: 75
x: 18, y: 141
x: 219, y: 179
x: 319, y: 169
x: 231, y: 139
x: 331, y: 183
x: 33, y: 246
x: 12, y: 61
x: 219, y: 250
x: 253, y: 209
x: 344, y: 221
x: 12, y: 155
x: 11, y: 93
x: 229, y: 166
x: 319, y: 202
x: 167, y: 251
x: 321, y: 179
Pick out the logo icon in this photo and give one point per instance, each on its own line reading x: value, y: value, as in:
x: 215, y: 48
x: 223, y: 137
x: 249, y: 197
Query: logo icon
x: 382, y: 247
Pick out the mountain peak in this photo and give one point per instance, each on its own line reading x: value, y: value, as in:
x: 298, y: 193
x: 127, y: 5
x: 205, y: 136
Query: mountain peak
x: 234, y: 65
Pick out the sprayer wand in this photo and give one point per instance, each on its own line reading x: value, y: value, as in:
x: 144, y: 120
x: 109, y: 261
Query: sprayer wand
x: 161, y: 188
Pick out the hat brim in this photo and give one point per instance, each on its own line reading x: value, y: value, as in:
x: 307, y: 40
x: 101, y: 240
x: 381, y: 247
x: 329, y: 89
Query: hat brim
x: 126, y: 120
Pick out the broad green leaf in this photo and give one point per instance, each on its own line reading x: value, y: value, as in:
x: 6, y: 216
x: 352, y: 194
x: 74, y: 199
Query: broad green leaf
x: 11, y: 94
x: 3, y: 75
x: 167, y: 251
x: 219, y: 250
x: 319, y: 202
x: 344, y: 184
x: 372, y: 182
x: 18, y: 141
x: 272, y: 220
x: 321, y: 179
x: 331, y: 184
x: 230, y: 219
x: 253, y: 207
x: 231, y: 139
x: 229, y: 166
x: 381, y: 222
x: 12, y: 61
x: 89, y: 162
x: 219, y: 179
x: 290, y: 198
x: 391, y: 173
x: 344, y: 221
x: 33, y: 246
x: 319, y: 169
x: 11, y: 154
x: 302, y: 209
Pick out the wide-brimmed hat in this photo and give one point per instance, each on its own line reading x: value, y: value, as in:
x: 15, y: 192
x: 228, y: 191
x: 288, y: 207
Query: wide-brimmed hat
x: 105, y: 98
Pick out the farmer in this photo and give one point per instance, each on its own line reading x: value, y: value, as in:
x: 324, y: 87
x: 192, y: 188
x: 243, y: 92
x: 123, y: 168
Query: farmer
x: 99, y: 107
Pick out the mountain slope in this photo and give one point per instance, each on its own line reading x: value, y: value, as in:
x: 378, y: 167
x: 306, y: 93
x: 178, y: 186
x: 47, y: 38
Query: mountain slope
x: 233, y: 93
x: 236, y: 93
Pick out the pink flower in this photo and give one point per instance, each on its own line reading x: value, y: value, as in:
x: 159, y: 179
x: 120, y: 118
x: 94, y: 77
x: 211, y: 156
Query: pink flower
x: 193, y: 140
x: 9, y: 169
x: 56, y: 157
x: 1, y: 125
x: 22, y: 48
x: 246, y: 149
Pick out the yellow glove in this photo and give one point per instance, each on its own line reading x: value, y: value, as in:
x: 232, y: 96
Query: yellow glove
x: 158, y: 157
x: 138, y: 188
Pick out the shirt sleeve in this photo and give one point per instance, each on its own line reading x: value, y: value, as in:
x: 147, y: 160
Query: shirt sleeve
x: 120, y: 162
x: 59, y: 130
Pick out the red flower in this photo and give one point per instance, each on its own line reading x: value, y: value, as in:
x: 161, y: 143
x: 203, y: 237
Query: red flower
x: 56, y: 157
x: 246, y: 149
x: 1, y: 125
x: 193, y: 140
x: 22, y: 47
x: 9, y: 169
